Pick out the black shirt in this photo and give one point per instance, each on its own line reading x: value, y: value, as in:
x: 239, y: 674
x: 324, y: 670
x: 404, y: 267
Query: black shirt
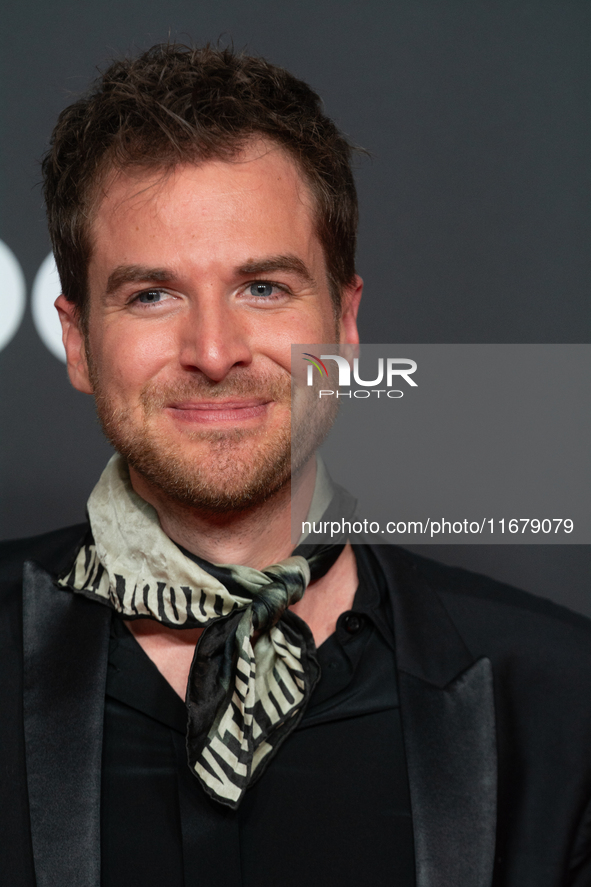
x: 332, y: 808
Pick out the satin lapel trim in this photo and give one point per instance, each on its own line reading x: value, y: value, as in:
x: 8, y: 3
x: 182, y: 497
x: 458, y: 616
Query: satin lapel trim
x: 66, y: 641
x: 451, y: 756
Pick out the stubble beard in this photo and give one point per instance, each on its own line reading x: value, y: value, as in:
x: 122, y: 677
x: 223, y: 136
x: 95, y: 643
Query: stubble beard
x: 226, y: 470
x: 236, y: 469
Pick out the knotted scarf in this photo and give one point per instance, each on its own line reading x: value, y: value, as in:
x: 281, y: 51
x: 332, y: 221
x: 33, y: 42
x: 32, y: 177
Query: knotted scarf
x: 243, y: 699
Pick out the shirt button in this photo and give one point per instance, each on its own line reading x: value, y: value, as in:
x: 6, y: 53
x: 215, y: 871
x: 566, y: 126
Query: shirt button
x: 352, y: 623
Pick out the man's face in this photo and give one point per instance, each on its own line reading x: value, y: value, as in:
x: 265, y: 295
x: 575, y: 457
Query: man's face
x: 199, y: 282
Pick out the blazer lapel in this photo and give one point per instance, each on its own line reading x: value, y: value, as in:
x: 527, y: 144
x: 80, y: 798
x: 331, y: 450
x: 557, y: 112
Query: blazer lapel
x: 65, y: 663
x: 448, y: 720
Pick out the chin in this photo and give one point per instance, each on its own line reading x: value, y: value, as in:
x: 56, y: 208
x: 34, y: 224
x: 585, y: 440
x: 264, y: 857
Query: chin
x: 216, y: 472
x: 213, y: 491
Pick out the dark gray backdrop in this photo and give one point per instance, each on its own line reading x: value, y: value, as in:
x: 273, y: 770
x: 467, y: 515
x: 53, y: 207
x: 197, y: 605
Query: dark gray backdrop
x: 475, y: 205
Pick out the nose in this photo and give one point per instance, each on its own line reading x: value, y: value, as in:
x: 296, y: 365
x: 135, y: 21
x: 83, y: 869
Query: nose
x: 214, y: 339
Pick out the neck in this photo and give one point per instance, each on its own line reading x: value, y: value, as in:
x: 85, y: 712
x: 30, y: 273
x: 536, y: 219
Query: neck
x: 256, y: 537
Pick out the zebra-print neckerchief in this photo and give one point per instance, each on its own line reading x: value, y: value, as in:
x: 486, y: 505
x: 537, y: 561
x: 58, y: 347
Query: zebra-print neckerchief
x: 243, y: 699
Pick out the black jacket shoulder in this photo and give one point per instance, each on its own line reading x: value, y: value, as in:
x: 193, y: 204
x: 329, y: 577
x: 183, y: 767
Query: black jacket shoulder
x: 496, y: 619
x: 53, y: 551
x: 457, y: 580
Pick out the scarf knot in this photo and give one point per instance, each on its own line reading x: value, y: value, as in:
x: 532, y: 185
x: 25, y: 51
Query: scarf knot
x: 288, y: 582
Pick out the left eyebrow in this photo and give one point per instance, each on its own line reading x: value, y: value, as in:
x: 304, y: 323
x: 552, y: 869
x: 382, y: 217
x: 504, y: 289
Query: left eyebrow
x: 289, y: 263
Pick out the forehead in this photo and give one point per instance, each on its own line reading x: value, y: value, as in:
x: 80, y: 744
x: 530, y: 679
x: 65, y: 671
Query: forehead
x: 256, y: 200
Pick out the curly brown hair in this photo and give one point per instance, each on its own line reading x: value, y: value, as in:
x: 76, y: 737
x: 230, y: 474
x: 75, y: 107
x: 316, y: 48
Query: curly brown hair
x: 175, y: 104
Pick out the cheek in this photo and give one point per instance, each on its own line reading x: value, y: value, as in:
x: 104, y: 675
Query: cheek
x: 128, y: 358
x: 313, y: 327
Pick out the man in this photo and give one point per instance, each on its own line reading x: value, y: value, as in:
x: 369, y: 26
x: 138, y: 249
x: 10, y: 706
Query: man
x: 400, y: 722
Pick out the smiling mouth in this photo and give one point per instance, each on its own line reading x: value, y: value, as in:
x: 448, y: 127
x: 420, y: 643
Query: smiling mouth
x: 230, y: 411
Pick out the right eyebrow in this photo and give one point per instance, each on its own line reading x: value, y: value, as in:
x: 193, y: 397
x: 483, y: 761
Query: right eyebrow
x: 271, y: 264
x: 136, y: 274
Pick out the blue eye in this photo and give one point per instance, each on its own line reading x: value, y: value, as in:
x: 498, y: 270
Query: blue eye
x: 150, y: 297
x: 261, y: 289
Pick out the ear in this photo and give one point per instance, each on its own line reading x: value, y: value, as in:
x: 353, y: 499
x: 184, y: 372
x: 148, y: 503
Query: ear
x: 349, y: 308
x: 73, y: 339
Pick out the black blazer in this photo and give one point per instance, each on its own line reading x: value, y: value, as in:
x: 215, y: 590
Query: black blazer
x: 495, y: 690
